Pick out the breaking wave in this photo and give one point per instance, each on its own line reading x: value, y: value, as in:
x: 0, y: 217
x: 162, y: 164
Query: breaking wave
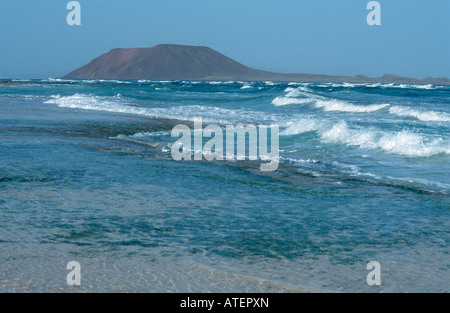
x: 292, y: 95
x: 188, y: 113
x: 342, y: 106
x: 301, y: 126
x: 281, y: 101
x: 403, y: 142
x: 428, y: 116
x: 303, y: 94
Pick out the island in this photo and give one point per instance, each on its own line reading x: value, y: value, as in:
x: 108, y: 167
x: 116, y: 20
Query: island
x: 180, y: 62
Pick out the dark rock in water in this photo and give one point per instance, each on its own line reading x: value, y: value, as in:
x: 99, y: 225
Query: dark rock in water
x: 177, y: 62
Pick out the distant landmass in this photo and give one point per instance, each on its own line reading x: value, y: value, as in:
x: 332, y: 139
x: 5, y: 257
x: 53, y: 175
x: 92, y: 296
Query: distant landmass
x: 178, y: 62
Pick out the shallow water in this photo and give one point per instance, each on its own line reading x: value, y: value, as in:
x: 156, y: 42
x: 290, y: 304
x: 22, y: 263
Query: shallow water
x: 86, y: 174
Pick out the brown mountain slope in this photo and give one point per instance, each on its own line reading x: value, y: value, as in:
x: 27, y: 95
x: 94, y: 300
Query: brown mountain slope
x: 172, y: 62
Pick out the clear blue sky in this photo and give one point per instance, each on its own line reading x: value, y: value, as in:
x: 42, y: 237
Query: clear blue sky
x: 298, y: 36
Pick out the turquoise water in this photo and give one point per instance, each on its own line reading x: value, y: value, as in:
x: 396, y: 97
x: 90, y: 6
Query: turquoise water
x: 86, y: 174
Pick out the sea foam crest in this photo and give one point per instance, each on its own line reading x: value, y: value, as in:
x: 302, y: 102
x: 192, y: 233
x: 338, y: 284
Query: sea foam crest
x: 343, y: 106
x: 281, y: 101
x: 403, y: 142
x: 118, y: 104
x: 301, y: 126
x: 302, y: 94
x: 292, y: 95
x: 428, y: 116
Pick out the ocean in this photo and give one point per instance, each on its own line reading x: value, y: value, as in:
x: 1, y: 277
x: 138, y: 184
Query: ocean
x: 86, y: 175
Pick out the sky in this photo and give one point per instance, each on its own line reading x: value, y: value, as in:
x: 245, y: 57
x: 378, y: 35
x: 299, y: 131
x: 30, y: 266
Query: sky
x: 292, y: 36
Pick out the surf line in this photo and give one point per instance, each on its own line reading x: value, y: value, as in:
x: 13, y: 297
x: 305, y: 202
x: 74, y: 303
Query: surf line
x: 213, y: 149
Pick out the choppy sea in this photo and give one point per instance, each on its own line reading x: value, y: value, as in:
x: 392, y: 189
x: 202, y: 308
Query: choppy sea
x: 86, y: 175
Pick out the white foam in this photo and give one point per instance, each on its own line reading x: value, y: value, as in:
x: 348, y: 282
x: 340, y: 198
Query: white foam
x: 352, y: 85
x: 373, y: 85
x: 299, y: 91
x: 289, y: 89
x: 292, y: 95
x: 402, y: 143
x: 292, y: 160
x: 427, y: 87
x: 53, y: 80
x: 293, y: 92
x: 281, y: 101
x: 114, y: 81
x: 150, y: 134
x: 343, y: 106
x: 410, y: 86
x: 301, y: 126
x: 188, y: 112
x: 428, y: 116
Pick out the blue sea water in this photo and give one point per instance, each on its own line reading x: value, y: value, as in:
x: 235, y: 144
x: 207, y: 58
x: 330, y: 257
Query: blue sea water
x: 86, y: 175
